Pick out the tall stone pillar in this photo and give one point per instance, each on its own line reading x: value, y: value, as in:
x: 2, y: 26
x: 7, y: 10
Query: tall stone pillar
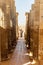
x: 27, y: 30
x: 39, y: 16
x: 7, y: 15
x: 13, y: 18
x: 3, y: 36
x: 41, y: 31
x: 17, y: 26
x: 34, y: 29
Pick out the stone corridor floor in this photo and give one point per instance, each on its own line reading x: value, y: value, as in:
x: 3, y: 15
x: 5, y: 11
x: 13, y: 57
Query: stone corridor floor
x: 20, y: 56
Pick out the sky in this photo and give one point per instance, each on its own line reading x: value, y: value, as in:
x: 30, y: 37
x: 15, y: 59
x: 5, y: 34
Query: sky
x: 23, y: 6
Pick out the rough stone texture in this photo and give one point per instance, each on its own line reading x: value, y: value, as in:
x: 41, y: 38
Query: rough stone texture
x: 4, y: 46
x: 27, y: 30
x: 17, y: 33
x: 37, y: 19
x: 8, y: 27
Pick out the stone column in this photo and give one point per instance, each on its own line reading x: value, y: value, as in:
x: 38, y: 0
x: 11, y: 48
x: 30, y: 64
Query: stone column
x: 41, y: 33
x: 17, y: 25
x: 3, y: 36
x: 27, y: 30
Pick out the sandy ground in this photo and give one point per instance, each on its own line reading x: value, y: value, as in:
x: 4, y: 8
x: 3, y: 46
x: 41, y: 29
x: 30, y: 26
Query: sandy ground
x: 19, y: 56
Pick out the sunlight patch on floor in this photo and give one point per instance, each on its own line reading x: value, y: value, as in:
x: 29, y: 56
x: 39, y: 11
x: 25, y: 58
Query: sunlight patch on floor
x: 33, y: 62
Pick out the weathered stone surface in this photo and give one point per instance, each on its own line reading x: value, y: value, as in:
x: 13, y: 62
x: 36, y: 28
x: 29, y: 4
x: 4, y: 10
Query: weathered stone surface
x: 7, y: 27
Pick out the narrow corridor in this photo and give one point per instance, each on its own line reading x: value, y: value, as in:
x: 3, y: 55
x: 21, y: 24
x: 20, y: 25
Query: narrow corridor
x: 21, y: 32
